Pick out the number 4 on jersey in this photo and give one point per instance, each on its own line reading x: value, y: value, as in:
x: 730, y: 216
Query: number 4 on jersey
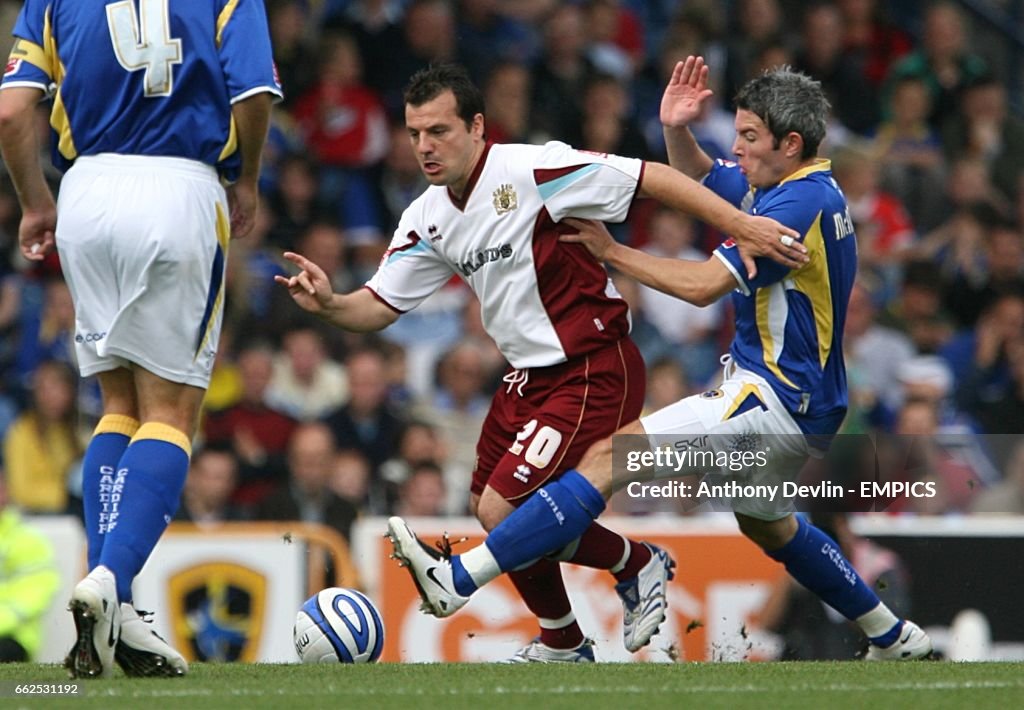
x: 144, y: 41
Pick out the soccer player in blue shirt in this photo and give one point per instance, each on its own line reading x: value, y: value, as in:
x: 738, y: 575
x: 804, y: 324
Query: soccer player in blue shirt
x: 784, y: 375
x: 154, y: 104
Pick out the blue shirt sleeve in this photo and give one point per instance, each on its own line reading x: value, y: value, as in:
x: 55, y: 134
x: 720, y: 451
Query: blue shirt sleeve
x: 245, y: 52
x: 797, y: 206
x: 728, y: 182
x: 28, y: 64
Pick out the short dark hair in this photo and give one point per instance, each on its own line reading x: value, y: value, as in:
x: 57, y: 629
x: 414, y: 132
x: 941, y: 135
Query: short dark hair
x: 427, y: 84
x: 788, y: 102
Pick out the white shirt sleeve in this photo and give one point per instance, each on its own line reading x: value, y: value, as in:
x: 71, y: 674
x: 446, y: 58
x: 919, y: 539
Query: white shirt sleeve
x: 410, y: 270
x: 576, y: 183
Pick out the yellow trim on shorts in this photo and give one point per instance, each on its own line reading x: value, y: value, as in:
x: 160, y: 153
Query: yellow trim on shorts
x: 224, y: 239
x: 164, y: 432
x: 117, y: 424
x: 748, y: 389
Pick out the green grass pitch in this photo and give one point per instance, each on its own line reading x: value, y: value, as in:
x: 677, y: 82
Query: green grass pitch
x: 491, y: 686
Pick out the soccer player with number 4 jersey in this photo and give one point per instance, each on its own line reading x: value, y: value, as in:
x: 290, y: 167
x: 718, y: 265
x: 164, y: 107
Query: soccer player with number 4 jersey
x: 493, y: 216
x: 154, y: 104
x: 784, y: 374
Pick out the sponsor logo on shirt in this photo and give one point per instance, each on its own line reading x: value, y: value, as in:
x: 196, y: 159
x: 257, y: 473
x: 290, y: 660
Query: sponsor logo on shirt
x: 485, y: 256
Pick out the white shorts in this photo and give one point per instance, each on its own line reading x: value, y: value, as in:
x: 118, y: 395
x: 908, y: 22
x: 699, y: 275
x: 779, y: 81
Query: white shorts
x: 143, y: 245
x: 742, y: 414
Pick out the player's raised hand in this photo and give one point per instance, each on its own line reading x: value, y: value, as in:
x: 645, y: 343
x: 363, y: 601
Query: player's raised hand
x: 37, y: 232
x: 591, y: 234
x: 685, y: 93
x: 310, y: 288
x: 763, y: 236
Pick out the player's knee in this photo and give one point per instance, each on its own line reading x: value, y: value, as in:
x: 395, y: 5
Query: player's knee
x: 767, y: 534
x: 490, y: 512
x: 597, y: 452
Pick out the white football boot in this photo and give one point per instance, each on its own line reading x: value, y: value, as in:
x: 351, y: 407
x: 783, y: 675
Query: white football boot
x: 643, y: 599
x: 142, y: 652
x: 431, y: 570
x: 97, y: 617
x: 537, y: 652
x: 914, y: 644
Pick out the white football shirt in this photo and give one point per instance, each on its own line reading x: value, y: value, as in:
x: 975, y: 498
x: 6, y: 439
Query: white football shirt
x: 543, y: 301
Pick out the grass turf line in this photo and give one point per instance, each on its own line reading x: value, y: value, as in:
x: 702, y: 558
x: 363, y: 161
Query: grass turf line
x: 618, y: 686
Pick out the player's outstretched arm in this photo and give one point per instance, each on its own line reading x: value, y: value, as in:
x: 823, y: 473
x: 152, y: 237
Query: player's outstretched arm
x: 680, y: 105
x: 358, y: 311
x: 698, y: 282
x: 20, y: 144
x: 759, y: 236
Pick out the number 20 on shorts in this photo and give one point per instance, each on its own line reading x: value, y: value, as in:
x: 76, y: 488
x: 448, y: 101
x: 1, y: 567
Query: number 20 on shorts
x: 543, y: 443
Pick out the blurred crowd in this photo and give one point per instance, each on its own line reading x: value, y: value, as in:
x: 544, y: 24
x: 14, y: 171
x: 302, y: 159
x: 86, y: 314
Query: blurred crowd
x: 303, y: 421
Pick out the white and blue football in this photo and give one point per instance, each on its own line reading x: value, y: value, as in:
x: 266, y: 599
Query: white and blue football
x: 338, y: 626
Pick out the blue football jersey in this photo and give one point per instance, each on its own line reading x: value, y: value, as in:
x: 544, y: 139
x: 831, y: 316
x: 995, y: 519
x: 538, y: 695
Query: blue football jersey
x: 144, y: 77
x: 789, y: 323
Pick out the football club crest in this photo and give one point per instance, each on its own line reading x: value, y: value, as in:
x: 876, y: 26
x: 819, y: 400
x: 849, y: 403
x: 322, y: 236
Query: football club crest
x: 711, y: 394
x: 217, y: 611
x: 505, y: 199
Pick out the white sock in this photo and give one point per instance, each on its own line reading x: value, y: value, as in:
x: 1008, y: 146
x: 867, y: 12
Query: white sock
x: 621, y: 564
x: 877, y: 622
x: 480, y: 564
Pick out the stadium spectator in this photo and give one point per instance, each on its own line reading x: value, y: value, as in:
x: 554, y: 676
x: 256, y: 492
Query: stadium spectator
x: 346, y: 129
x: 908, y: 152
x: 377, y: 28
x: 989, y: 363
x: 295, y: 203
x: 690, y: 329
x: 507, y: 97
x: 209, y: 489
x: 29, y: 580
x: 42, y: 444
x: 52, y: 336
x: 256, y: 433
x: 306, y: 384
x: 307, y: 495
x: 456, y: 412
x: 401, y: 181
x: 753, y: 25
x: 870, y: 39
x: 885, y: 233
x: 944, y: 61
x: 822, y: 56
x: 488, y: 36
x: 365, y: 422
x: 418, y: 443
x: 560, y: 74
x: 608, y: 125
x: 874, y: 354
x: 422, y: 494
x: 917, y: 308
x: 350, y: 480
x: 293, y: 55
x: 983, y: 128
